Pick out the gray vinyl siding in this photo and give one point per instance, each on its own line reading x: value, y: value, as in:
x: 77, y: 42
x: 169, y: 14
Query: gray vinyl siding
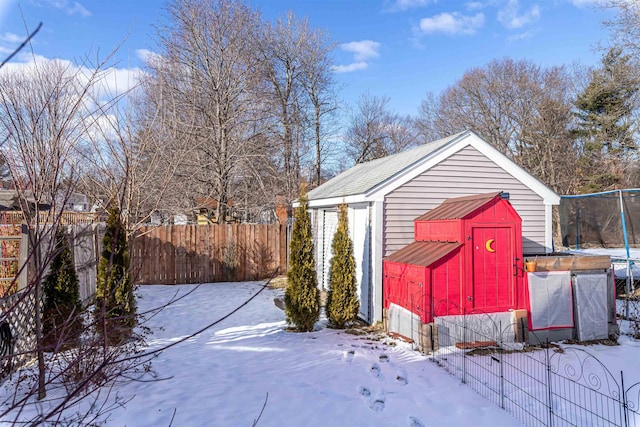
x: 466, y: 172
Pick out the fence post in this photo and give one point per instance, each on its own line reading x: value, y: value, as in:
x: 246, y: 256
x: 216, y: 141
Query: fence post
x: 23, y: 257
x: 500, y: 352
x: 464, y: 352
x: 549, y: 393
x: 627, y: 286
x: 624, y: 408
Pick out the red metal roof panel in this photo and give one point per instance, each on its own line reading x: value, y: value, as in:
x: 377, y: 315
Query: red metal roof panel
x: 423, y: 253
x: 458, y: 207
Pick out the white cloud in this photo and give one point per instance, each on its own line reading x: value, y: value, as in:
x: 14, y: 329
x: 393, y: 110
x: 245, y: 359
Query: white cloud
x: 474, y: 5
x: 355, y: 66
x: 362, y: 50
x: 79, y: 9
x: 452, y: 23
x: 401, y: 5
x: 69, y: 7
x: 11, y: 38
x: 522, y: 36
x: 110, y: 83
x: 510, y: 18
x: 148, y: 56
x: 585, y: 3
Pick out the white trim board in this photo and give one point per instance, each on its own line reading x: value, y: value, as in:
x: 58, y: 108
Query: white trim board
x: 468, y: 139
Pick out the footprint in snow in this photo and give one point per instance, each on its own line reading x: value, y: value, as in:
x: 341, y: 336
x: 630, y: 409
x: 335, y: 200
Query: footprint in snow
x: 401, y: 377
x: 377, y: 404
x: 364, y: 392
x: 414, y: 422
x: 384, y: 358
x: 348, y: 356
x: 375, y: 372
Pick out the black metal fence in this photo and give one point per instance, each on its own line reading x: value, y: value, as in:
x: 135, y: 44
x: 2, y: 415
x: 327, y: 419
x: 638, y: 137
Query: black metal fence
x: 540, y: 386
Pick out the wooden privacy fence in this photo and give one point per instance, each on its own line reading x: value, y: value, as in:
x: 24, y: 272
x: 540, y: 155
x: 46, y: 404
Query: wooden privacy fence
x: 173, y: 254
x: 48, y: 217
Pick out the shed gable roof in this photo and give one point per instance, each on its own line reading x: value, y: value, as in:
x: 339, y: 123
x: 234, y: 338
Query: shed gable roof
x: 423, y: 253
x: 458, y: 207
x: 364, y: 176
x: 373, y: 180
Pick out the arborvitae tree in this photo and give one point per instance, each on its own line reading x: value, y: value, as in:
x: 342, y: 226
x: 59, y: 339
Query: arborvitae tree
x: 302, y: 298
x: 342, y: 300
x: 115, y: 303
x: 61, y: 310
x: 605, y: 122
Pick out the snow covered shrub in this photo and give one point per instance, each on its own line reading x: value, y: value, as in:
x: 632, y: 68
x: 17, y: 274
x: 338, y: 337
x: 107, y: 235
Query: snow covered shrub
x: 302, y: 298
x: 342, y: 300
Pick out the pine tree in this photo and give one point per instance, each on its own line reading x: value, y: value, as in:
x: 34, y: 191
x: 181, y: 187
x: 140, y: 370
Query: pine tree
x: 114, y: 291
x: 302, y: 298
x: 342, y: 300
x: 61, y: 321
x: 605, y: 122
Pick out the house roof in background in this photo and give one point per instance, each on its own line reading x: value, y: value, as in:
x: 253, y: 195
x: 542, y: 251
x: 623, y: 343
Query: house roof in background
x: 458, y: 207
x: 10, y: 200
x: 364, y: 176
x: 210, y: 202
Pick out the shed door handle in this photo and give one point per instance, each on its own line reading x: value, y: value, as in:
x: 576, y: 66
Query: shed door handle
x: 470, y: 298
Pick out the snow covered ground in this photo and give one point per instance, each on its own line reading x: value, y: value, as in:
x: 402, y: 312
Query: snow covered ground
x: 324, y: 378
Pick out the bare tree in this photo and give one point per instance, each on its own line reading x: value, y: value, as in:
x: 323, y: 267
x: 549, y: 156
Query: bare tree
x: 625, y: 26
x: 520, y: 108
x: 237, y: 107
x: 281, y: 47
x: 120, y: 164
x: 47, y: 112
x: 55, y: 131
x: 375, y: 131
x: 199, y: 93
x: 43, y: 116
x: 320, y: 87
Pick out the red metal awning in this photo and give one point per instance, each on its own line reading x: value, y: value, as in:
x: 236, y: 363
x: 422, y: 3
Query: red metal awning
x: 423, y: 253
x: 458, y: 207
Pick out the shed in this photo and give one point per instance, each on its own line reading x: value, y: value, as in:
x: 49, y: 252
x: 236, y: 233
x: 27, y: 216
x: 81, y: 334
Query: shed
x: 467, y: 258
x: 385, y: 196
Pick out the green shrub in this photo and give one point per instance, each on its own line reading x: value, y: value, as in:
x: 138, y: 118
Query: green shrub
x: 115, y: 302
x: 342, y: 300
x: 302, y: 298
x: 61, y: 320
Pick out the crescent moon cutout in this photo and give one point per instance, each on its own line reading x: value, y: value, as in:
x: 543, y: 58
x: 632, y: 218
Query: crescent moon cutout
x: 488, y: 245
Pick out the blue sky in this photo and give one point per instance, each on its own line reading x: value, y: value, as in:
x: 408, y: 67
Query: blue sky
x: 398, y: 48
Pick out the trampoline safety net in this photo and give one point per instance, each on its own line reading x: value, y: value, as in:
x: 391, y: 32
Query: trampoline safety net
x: 595, y: 220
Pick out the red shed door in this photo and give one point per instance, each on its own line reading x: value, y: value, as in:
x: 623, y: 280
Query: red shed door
x: 492, y: 286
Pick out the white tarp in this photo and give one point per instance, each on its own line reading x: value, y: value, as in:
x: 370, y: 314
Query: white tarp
x: 550, y: 300
x: 591, y: 306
